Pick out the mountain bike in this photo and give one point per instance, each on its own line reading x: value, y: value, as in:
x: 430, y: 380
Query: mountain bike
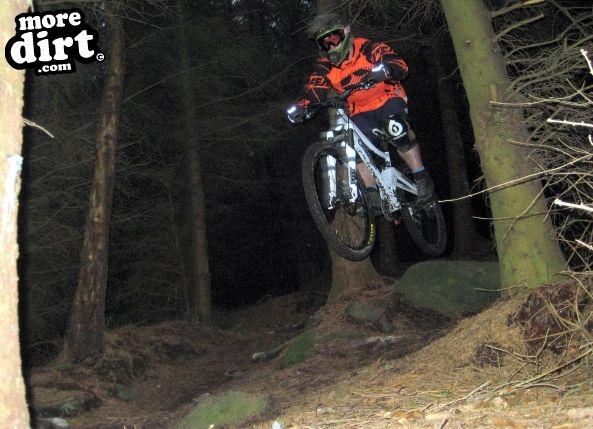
x: 336, y: 196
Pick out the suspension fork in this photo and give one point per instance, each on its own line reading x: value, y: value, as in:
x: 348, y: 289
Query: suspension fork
x: 349, y: 179
x: 339, y: 179
x: 329, y: 188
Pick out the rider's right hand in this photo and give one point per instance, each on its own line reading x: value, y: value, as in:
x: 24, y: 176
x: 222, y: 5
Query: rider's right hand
x: 379, y: 73
x: 297, y: 113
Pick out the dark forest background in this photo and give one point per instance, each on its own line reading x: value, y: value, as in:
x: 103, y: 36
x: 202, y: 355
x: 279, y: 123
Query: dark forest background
x: 248, y: 61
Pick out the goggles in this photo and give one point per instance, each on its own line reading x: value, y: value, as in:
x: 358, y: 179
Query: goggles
x: 331, y: 39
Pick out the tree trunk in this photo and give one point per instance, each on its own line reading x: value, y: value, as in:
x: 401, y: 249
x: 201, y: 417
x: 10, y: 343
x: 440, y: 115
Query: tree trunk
x: 348, y: 276
x: 199, y: 267
x: 388, y: 261
x: 87, y: 320
x: 13, y: 405
x: 464, y: 232
x: 525, y: 239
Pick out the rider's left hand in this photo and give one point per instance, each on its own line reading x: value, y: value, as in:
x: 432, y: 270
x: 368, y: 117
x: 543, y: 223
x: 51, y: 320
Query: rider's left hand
x: 379, y: 73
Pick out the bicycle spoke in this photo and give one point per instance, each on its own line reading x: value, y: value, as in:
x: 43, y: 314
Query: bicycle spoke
x: 349, y: 228
x: 346, y: 226
x: 426, y: 225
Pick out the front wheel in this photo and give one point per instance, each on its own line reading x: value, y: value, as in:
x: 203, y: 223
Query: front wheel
x: 426, y: 225
x: 348, y: 227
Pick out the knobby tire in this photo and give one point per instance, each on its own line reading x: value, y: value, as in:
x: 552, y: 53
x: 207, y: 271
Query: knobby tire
x: 359, y: 215
x: 426, y: 225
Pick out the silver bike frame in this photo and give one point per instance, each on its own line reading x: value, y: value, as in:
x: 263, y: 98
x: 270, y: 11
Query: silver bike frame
x: 388, y: 179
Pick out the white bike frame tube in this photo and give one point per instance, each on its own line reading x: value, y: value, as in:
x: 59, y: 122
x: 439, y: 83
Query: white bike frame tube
x: 389, y: 179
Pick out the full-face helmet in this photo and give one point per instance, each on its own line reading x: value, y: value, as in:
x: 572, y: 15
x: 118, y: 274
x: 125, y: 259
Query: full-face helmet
x: 331, y: 36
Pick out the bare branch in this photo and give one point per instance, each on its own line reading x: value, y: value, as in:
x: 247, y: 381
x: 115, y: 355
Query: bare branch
x: 585, y: 53
x: 39, y: 127
x: 567, y: 122
x: 561, y: 203
x: 517, y: 25
x: 582, y: 243
x: 515, y: 6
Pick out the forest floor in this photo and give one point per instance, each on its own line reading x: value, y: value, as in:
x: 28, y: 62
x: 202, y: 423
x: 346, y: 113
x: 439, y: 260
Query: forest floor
x: 472, y: 372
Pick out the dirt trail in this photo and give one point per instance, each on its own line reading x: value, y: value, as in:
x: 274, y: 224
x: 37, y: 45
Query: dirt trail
x: 163, y: 367
x: 429, y: 379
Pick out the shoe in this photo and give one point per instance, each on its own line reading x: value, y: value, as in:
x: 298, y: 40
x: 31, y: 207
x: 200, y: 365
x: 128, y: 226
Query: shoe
x: 425, y: 188
x: 374, y: 200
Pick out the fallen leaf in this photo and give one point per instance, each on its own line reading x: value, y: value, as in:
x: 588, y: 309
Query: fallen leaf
x: 504, y: 423
x: 407, y: 415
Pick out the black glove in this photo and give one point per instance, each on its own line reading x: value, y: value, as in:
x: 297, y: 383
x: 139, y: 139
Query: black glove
x: 379, y: 73
x: 297, y: 113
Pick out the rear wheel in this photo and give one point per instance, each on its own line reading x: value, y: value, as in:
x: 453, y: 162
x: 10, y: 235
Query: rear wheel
x: 348, y: 227
x: 426, y: 224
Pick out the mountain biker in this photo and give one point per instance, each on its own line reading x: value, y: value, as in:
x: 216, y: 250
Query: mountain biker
x: 346, y: 60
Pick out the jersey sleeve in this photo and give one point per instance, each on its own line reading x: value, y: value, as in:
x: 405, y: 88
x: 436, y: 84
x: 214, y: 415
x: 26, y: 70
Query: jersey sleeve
x: 316, y: 89
x: 383, y: 53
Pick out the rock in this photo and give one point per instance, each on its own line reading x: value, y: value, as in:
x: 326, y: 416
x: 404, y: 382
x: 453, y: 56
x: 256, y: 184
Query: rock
x: 50, y: 402
x: 365, y: 313
x: 451, y: 287
x: 310, y: 343
x: 228, y: 408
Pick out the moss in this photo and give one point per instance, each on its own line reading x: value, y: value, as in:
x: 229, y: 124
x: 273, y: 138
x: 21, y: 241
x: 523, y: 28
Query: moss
x: 300, y: 349
x: 303, y: 346
x: 64, y: 366
x: 123, y: 392
x: 231, y: 407
x: 340, y: 335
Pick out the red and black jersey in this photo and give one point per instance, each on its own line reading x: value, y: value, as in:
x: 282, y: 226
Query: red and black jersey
x: 366, y: 54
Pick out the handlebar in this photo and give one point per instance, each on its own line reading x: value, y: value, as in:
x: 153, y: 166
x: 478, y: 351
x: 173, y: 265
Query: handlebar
x: 296, y: 116
x: 339, y: 100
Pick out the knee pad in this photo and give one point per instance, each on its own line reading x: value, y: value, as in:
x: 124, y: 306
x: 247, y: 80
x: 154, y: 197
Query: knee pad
x: 398, y: 129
